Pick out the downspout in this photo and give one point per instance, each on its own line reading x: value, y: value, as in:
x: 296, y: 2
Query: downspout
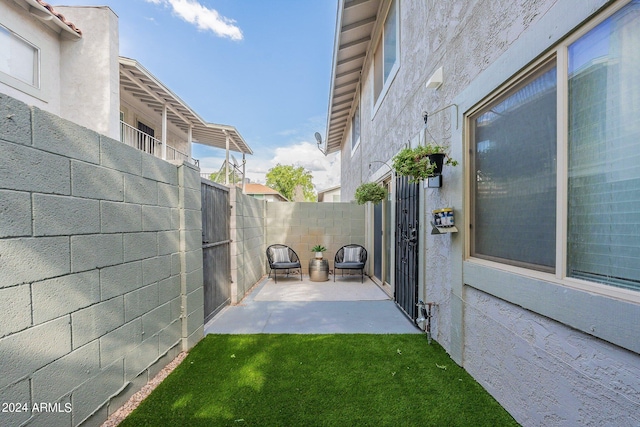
x: 226, y: 163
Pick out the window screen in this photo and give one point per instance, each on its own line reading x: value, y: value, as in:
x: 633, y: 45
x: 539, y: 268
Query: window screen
x: 515, y: 174
x: 603, y: 241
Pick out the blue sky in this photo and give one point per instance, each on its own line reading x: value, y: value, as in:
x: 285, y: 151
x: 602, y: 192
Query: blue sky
x: 262, y: 66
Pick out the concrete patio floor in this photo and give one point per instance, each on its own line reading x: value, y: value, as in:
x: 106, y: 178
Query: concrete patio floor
x: 303, y: 307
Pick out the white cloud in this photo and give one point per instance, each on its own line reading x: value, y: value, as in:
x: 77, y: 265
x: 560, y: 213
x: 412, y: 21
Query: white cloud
x: 203, y: 18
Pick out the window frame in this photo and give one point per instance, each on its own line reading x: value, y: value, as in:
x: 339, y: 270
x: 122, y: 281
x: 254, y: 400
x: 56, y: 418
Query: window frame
x: 377, y: 100
x: 16, y: 82
x: 559, y: 53
x: 355, y: 140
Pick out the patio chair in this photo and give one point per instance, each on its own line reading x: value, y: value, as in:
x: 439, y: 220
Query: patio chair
x: 350, y: 257
x: 282, y: 257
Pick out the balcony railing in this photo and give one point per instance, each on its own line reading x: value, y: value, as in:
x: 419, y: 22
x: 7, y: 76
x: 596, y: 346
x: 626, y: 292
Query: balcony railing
x: 147, y: 143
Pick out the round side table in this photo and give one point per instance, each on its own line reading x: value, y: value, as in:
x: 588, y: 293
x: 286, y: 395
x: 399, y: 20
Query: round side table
x: 318, y: 270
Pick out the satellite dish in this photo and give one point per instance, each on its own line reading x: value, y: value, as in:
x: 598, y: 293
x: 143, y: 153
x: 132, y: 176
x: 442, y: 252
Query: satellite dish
x: 235, y: 162
x: 318, y: 138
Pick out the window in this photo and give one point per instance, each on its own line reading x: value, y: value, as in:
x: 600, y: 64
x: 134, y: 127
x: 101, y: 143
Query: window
x: 385, y: 58
x: 355, y: 129
x: 19, y: 58
x: 521, y: 210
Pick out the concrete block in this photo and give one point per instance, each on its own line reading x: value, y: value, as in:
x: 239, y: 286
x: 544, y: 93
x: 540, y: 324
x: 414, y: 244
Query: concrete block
x: 166, y: 356
x: 19, y: 392
x: 117, y: 217
x: 189, y: 178
x: 192, y: 239
x: 192, y: 219
x: 95, y: 251
x: 15, y: 306
x: 168, y: 195
x: 116, y: 155
x: 176, y: 264
x: 156, y: 218
x: 13, y: 220
x: 21, y: 168
x: 140, y: 301
x: 170, y: 336
x: 96, y: 419
x: 63, y: 295
x: 141, y: 357
x: 195, y: 299
x: 194, y: 338
x: 195, y: 318
x: 169, y: 242
x: 17, y: 351
x: 46, y: 418
x: 96, y: 320
x: 194, y: 280
x: 192, y: 199
x: 156, y: 320
x: 168, y: 289
x: 193, y: 260
x: 176, y: 308
x: 117, y: 343
x: 95, y: 392
x: 175, y: 218
x: 96, y: 182
x: 140, y: 246
x: 159, y: 170
x: 60, y: 377
x: 156, y: 269
x: 56, y: 135
x: 140, y: 190
x: 30, y: 259
x: 120, y: 279
x: 63, y: 215
x: 15, y: 120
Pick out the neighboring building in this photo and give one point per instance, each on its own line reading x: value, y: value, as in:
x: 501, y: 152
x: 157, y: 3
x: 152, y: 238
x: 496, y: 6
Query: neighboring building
x: 329, y: 195
x: 66, y: 61
x: 263, y: 192
x: 537, y: 295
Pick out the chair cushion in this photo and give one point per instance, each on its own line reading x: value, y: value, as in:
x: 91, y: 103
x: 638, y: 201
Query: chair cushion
x: 280, y: 255
x: 352, y: 254
x: 286, y: 265
x: 349, y: 265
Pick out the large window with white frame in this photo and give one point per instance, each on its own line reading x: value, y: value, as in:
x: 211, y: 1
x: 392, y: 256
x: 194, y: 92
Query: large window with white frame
x: 386, y: 58
x: 556, y: 160
x: 19, y: 58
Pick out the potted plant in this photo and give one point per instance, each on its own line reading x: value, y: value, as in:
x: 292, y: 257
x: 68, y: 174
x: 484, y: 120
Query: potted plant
x: 370, y: 192
x: 318, y: 249
x: 422, y: 162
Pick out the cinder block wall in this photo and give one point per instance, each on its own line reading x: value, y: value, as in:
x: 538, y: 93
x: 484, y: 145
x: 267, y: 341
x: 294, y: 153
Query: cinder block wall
x: 247, y: 247
x: 303, y: 225
x: 100, y: 267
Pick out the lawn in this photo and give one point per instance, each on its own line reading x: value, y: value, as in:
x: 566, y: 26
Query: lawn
x: 311, y: 380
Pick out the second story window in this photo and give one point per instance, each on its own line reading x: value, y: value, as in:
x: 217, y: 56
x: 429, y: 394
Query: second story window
x: 19, y: 58
x: 386, y: 57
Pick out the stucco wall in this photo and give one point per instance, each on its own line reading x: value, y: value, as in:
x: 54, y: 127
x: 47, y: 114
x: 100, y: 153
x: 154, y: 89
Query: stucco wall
x: 100, y: 266
x: 247, y: 246
x: 302, y: 225
x: 545, y: 351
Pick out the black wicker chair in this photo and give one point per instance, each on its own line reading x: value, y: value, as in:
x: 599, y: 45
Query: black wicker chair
x: 355, y: 260
x: 282, y: 257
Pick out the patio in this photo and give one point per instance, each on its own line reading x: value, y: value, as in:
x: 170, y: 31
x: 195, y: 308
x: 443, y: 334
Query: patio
x: 295, y: 307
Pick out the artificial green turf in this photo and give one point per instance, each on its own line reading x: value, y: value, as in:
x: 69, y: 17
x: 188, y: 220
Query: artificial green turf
x: 311, y: 380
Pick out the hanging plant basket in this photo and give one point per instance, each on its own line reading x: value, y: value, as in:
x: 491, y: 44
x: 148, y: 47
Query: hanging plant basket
x: 370, y: 192
x: 422, y: 162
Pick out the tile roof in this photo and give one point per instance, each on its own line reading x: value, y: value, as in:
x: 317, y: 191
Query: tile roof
x: 59, y: 16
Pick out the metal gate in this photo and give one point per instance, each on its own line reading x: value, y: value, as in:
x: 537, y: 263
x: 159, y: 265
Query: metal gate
x: 406, y: 278
x: 215, y: 247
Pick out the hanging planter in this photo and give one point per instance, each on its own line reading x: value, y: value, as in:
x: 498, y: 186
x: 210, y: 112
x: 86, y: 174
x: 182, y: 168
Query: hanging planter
x: 370, y: 192
x: 422, y: 162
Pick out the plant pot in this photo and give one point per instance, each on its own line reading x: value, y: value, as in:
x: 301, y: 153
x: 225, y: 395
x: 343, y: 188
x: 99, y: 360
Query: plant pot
x: 318, y: 255
x: 438, y: 160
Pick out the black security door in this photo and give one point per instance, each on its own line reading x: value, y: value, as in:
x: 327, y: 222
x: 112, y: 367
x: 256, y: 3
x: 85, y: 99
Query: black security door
x: 406, y: 277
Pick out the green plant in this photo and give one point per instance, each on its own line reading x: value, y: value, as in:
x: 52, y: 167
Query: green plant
x: 318, y: 248
x: 417, y: 164
x: 370, y: 192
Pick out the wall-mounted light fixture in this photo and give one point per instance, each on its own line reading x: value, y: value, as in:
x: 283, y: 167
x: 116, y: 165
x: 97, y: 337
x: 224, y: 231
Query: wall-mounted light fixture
x: 436, y: 79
